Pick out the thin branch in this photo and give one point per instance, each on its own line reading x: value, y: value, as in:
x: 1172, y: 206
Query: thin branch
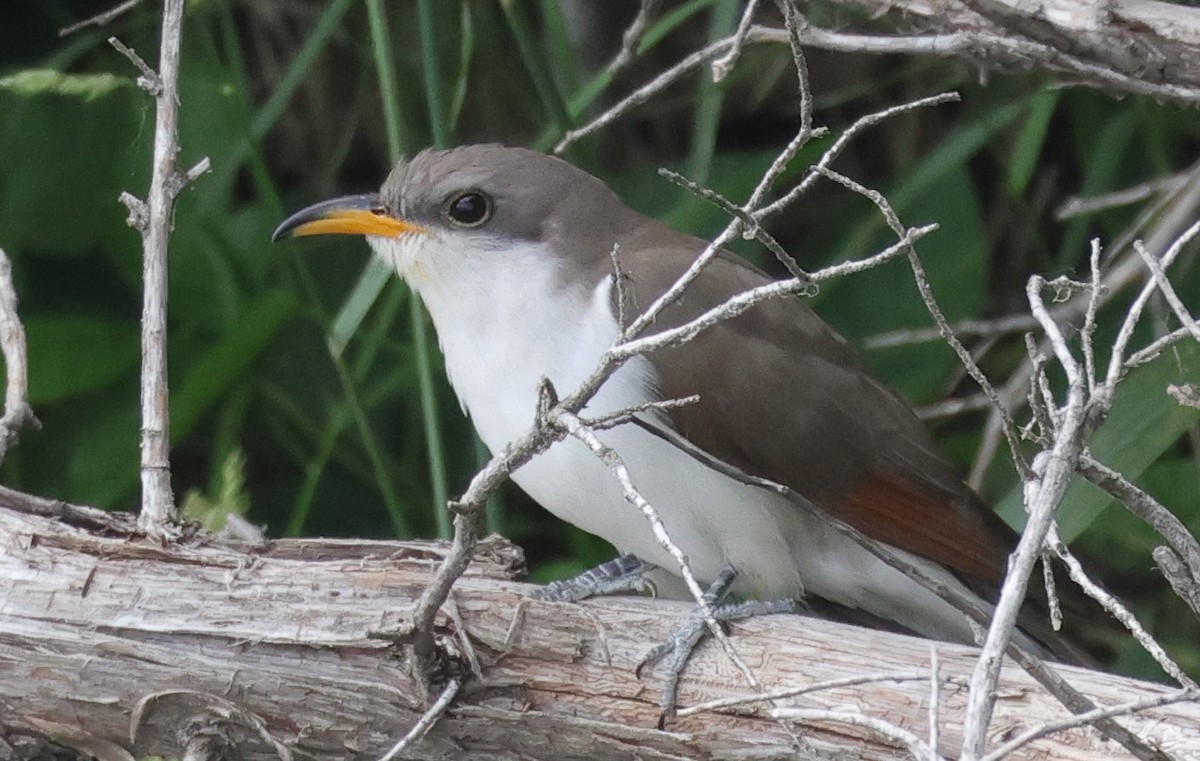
x: 843, y: 140
x: 1155, y: 348
x: 620, y: 285
x: 915, y: 745
x: 1077, y: 703
x: 1088, y: 332
x: 1164, y: 220
x: 149, y: 80
x: 723, y: 65
x: 632, y: 36
x: 1000, y: 326
x: 749, y: 224
x: 1141, y: 504
x: 1121, y: 342
x: 1076, y: 207
x: 467, y: 508
x: 1168, y: 291
x: 17, y: 412
x: 1053, y: 470
x: 574, y: 426
x: 1118, y: 611
x: 656, y: 85
x: 793, y: 22
x: 1178, y: 576
x: 939, y: 318
x: 951, y: 407
x: 935, y: 685
x: 153, y: 218
x: 627, y: 414
x: 791, y: 692
x: 745, y: 300
x: 100, y: 19
x: 1089, y: 718
x: 427, y: 720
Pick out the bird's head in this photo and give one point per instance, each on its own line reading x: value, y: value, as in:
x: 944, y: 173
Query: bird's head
x: 470, y: 207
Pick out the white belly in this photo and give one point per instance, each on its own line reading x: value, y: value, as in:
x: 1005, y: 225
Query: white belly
x: 501, y: 337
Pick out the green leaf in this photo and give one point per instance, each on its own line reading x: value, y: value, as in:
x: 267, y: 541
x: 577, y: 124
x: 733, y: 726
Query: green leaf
x: 1029, y: 143
x: 74, y: 355
x: 33, y: 82
x: 229, y: 498
x: 1143, y: 424
x: 375, y: 275
x: 465, y: 51
x: 225, y: 364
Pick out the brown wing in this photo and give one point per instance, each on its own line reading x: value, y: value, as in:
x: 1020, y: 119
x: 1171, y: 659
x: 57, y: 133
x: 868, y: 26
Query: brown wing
x: 782, y: 396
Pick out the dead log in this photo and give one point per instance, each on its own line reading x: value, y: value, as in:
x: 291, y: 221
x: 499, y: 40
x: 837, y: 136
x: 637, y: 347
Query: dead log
x: 118, y: 646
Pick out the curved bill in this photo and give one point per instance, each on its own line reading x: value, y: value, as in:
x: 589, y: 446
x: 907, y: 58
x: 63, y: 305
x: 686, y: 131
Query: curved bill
x: 349, y: 215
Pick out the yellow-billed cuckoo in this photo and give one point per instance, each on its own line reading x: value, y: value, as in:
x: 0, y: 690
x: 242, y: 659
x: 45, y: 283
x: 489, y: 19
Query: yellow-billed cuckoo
x: 510, y: 251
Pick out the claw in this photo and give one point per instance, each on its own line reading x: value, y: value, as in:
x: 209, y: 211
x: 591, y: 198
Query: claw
x: 626, y: 573
x: 682, y: 643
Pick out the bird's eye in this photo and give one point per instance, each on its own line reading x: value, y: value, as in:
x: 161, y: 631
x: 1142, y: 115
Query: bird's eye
x: 468, y: 208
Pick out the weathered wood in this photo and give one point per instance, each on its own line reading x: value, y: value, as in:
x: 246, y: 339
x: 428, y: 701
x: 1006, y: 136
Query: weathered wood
x: 113, y: 644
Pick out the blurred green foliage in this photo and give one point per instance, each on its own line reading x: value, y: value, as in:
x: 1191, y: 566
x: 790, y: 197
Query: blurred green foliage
x: 300, y: 391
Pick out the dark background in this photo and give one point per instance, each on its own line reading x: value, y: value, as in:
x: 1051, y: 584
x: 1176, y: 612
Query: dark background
x: 285, y: 98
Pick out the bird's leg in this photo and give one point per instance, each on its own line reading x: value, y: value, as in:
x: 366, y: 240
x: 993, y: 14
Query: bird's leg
x: 684, y: 640
x: 626, y: 573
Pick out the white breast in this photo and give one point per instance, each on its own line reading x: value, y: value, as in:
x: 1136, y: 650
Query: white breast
x: 504, y: 323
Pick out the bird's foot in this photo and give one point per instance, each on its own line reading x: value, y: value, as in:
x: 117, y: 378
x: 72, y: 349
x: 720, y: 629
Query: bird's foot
x: 679, y: 648
x: 626, y: 573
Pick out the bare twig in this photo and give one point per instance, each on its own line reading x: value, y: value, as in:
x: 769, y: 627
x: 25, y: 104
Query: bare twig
x: 793, y: 22
x: 100, y: 19
x: 633, y: 35
x: 1185, y: 584
x: 1076, y: 702
x: 815, y: 171
x: 620, y: 286
x: 1117, y: 610
x: 1052, y: 471
x: 1089, y: 718
x: 659, y: 83
x: 626, y: 415
x: 1088, y: 332
x: 935, y: 311
x: 1000, y: 326
x: 915, y: 745
x: 723, y: 65
x: 791, y: 692
x: 149, y: 80
x: 17, y: 412
x: 951, y: 407
x: 613, y: 461
x: 1075, y: 207
x: 935, y: 684
x: 745, y: 300
x: 1187, y: 394
x: 426, y: 722
x: 1121, y: 343
x: 1155, y: 348
x: 1168, y: 291
x: 1147, y: 508
x: 749, y: 223
x: 153, y: 220
x: 1163, y: 221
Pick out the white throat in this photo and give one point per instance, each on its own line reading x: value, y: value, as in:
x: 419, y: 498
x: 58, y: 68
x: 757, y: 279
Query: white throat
x: 505, y: 319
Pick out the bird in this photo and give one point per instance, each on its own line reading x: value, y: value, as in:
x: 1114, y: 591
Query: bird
x: 511, y: 252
